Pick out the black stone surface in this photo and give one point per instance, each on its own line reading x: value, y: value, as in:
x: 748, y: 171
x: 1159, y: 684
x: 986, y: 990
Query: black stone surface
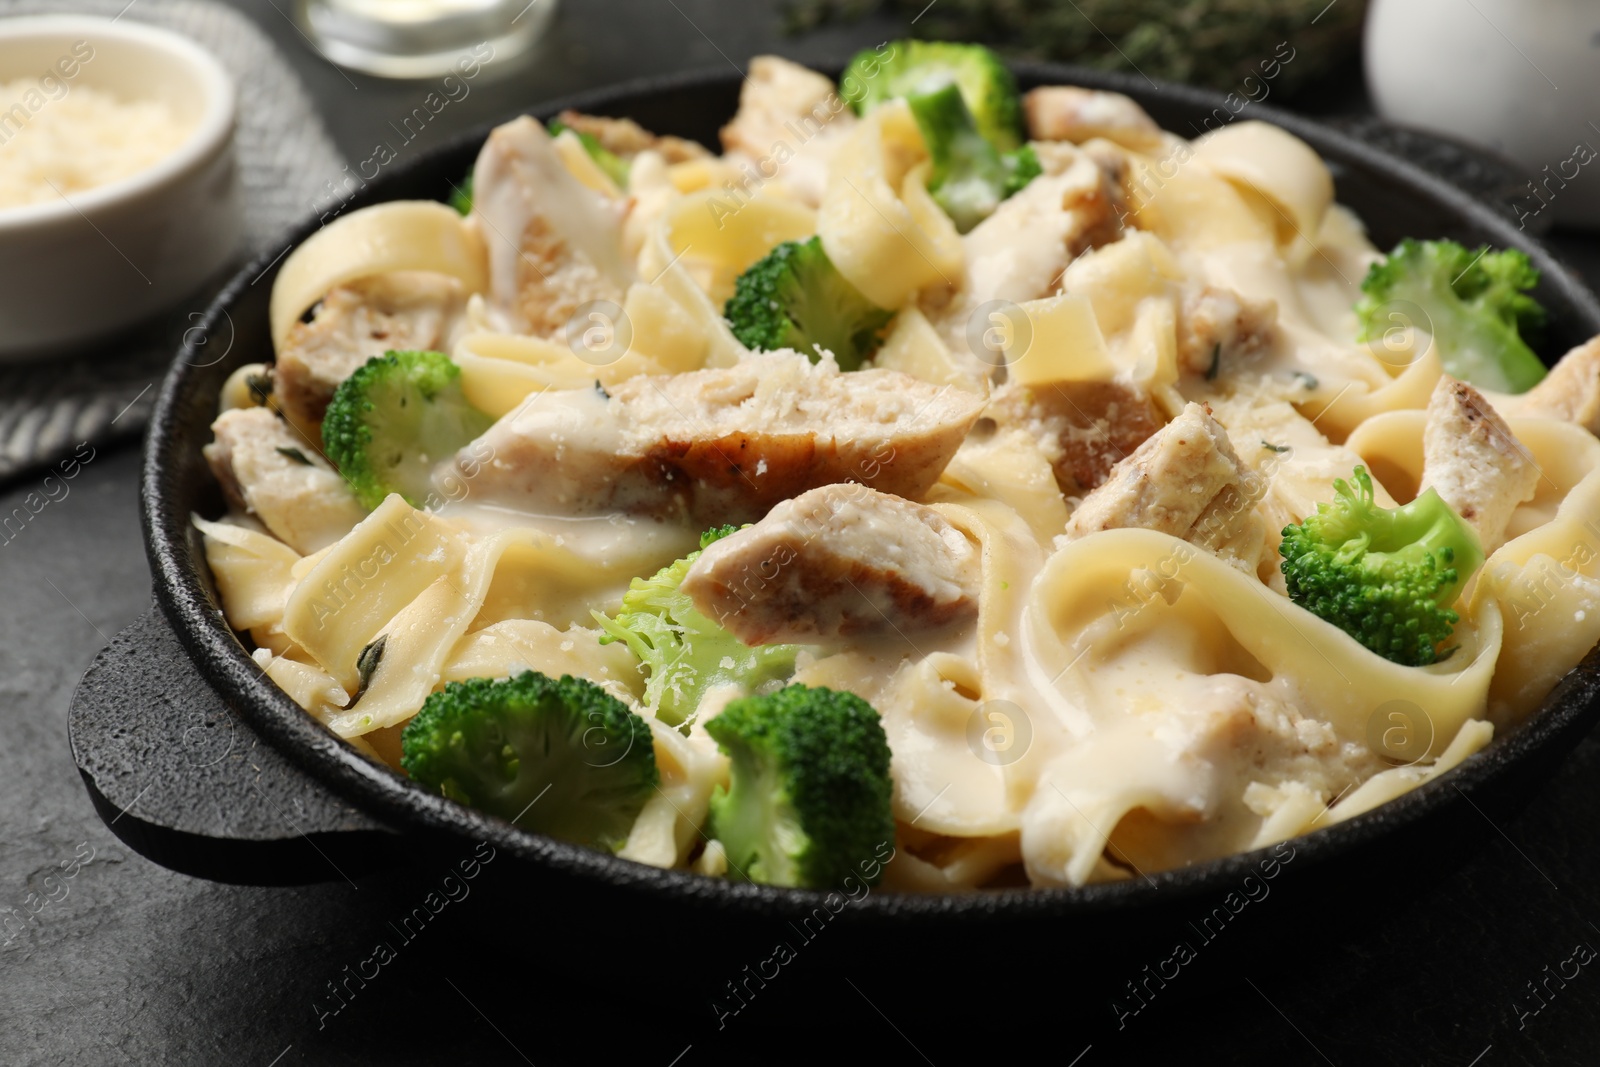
x: 117, y: 960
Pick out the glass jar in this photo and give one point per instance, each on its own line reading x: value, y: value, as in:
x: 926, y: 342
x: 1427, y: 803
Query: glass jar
x: 420, y: 38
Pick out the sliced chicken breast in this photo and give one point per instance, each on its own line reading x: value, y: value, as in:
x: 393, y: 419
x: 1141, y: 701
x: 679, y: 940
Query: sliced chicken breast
x: 1069, y: 113
x: 1083, y: 428
x: 554, y: 244
x: 627, y: 138
x: 1218, y: 328
x: 1475, y: 462
x: 1186, y: 481
x: 838, y: 561
x: 792, y: 120
x: 400, y: 310
x: 1571, y: 391
x: 1019, y: 252
x: 722, y: 445
x: 268, y: 470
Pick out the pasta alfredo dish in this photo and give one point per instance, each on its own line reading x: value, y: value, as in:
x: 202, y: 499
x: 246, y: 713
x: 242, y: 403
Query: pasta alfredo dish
x: 943, y: 485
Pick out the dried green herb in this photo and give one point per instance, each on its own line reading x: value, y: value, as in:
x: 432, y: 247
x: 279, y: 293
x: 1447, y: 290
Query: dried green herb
x: 1217, y: 43
x: 294, y: 454
x: 367, y: 666
x: 260, y: 386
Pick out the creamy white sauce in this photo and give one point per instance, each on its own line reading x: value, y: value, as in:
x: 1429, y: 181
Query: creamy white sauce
x: 608, y: 540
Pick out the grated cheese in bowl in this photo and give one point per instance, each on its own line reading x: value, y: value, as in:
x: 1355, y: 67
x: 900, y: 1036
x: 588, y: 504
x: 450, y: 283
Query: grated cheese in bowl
x: 77, y: 140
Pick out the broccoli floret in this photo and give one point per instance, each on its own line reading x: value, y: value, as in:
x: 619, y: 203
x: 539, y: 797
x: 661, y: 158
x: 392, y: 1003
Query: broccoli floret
x: 684, y: 652
x: 556, y: 756
x: 717, y: 533
x: 1385, y: 576
x: 969, y: 177
x: 1475, y: 302
x: 917, y: 68
x: 616, y: 168
x: 796, y: 298
x: 393, y: 419
x: 808, y: 796
x: 461, y: 195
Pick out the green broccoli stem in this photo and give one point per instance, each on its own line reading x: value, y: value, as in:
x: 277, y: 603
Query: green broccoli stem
x: 1427, y: 525
x: 756, y: 823
x: 969, y: 178
x: 809, y: 795
x: 918, y: 68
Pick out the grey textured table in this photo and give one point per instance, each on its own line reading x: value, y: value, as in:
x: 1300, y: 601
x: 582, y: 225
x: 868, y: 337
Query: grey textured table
x: 116, y: 960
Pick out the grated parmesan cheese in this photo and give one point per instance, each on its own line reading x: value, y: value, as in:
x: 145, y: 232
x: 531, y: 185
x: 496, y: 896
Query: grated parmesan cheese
x: 68, y: 142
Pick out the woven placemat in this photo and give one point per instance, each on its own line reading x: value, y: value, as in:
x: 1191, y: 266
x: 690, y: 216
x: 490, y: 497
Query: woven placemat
x: 285, y: 155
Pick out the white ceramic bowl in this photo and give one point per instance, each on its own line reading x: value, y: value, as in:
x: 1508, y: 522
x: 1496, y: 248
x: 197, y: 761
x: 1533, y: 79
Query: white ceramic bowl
x: 75, y: 269
x: 1519, y: 77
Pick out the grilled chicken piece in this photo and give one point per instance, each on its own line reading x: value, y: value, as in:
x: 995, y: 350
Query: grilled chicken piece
x: 268, y: 470
x: 1083, y: 428
x: 627, y: 138
x: 399, y: 310
x: 1571, y: 392
x: 1218, y: 327
x: 1116, y: 163
x: 1019, y: 252
x: 1472, y: 458
x: 1186, y: 481
x: 724, y: 445
x: 838, y: 561
x: 790, y: 117
x: 554, y: 244
x: 1068, y: 113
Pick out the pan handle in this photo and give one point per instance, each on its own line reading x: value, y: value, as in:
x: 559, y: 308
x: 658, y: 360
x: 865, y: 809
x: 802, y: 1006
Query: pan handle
x: 178, y: 775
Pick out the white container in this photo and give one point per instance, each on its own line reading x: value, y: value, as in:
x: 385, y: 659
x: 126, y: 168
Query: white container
x: 421, y: 38
x: 1519, y: 77
x: 81, y: 268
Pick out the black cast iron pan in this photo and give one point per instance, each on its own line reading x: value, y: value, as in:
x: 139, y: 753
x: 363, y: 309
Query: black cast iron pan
x: 200, y: 763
